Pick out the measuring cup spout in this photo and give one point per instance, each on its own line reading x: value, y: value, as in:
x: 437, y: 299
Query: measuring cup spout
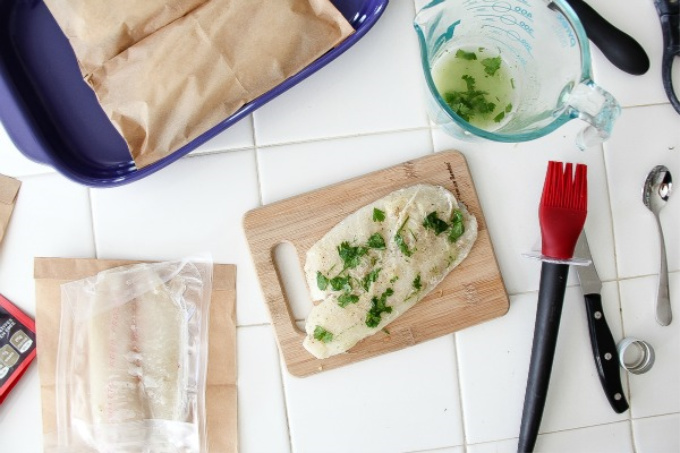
x: 589, y: 102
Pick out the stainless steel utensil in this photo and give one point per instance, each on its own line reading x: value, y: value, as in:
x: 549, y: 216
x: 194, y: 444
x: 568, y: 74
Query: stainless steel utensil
x: 655, y: 194
x: 601, y: 338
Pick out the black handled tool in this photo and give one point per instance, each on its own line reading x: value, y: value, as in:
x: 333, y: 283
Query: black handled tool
x: 623, y: 51
x: 669, y: 15
x: 601, y: 339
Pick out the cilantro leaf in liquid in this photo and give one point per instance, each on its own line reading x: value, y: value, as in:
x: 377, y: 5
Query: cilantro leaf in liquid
x: 460, y: 53
x: 491, y: 65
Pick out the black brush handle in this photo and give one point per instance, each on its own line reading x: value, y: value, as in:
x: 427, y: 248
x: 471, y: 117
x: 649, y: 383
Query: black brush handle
x: 604, y: 353
x: 548, y: 314
x: 623, y: 51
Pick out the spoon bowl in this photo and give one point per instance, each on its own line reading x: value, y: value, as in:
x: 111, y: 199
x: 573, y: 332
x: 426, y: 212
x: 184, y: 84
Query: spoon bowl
x: 655, y: 194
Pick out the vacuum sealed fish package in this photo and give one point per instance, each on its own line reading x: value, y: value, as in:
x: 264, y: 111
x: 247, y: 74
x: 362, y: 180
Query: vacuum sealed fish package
x: 132, y: 359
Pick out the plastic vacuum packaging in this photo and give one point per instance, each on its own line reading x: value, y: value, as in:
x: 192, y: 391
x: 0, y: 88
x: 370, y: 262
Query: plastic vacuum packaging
x: 132, y: 359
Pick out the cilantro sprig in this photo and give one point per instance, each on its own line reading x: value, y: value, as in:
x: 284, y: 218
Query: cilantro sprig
x: 371, y: 277
x: 378, y: 307
x: 399, y: 239
x: 435, y: 224
x: 322, y: 334
x: 457, y: 226
x: 417, y: 285
x: 350, y: 255
x: 378, y: 215
x: 347, y: 298
x: 376, y: 241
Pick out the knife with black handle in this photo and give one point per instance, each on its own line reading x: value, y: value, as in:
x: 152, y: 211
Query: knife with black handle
x: 601, y: 339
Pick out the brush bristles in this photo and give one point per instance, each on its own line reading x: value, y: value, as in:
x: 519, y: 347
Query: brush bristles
x: 565, y: 189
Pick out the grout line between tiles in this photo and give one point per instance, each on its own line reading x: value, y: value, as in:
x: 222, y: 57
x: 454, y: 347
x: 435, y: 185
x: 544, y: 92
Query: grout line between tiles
x: 94, y: 233
x: 632, y: 435
x: 618, y: 281
x: 649, y: 417
x: 566, y: 430
x: 258, y: 177
x: 638, y: 106
x: 460, y: 390
x: 285, y: 400
x: 342, y: 137
x: 218, y: 152
x: 48, y: 172
x: 252, y: 128
x: 245, y: 326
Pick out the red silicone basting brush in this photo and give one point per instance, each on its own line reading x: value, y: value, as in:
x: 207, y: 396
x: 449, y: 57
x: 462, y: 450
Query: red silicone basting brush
x: 562, y: 214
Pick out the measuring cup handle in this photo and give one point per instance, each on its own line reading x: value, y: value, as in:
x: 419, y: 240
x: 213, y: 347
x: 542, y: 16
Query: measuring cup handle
x: 597, y: 107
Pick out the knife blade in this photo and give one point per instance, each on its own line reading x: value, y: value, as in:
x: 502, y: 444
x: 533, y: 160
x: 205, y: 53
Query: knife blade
x: 601, y: 339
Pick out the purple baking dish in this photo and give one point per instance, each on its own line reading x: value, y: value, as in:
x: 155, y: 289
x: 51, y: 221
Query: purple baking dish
x: 54, y: 118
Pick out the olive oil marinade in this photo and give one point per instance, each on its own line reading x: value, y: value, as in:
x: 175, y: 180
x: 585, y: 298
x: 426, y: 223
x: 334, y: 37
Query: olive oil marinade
x: 477, y: 85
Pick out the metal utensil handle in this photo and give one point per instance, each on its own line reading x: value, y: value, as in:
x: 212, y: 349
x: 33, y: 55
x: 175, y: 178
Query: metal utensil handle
x: 663, y: 299
x: 605, y: 353
x: 548, y: 314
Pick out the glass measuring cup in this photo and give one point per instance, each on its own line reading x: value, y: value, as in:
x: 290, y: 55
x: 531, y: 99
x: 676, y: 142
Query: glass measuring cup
x: 544, y: 51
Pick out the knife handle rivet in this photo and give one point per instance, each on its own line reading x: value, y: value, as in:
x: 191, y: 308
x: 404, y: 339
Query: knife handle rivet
x: 617, y: 396
x: 608, y: 356
x: 597, y: 315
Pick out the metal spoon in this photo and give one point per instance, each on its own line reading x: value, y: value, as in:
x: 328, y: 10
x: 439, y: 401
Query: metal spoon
x: 655, y: 194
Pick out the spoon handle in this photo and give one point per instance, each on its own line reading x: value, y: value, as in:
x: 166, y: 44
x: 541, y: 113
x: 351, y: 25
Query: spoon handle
x: 663, y: 299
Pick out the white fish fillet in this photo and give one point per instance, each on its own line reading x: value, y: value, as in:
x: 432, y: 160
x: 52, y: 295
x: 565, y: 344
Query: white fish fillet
x: 114, y: 391
x: 138, y: 351
x: 432, y: 258
x: 162, y: 332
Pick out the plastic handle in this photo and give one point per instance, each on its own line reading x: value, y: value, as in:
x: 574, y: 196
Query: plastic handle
x: 598, y: 108
x: 548, y: 314
x: 623, y: 51
x: 604, y: 353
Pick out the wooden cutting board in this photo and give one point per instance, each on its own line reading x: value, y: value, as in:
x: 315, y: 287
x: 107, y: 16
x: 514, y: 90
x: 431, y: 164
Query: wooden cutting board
x: 470, y: 294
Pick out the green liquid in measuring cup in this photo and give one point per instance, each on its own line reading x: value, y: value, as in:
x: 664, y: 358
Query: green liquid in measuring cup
x: 477, y: 85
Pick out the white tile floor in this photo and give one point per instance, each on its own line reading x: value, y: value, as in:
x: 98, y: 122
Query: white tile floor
x: 461, y: 392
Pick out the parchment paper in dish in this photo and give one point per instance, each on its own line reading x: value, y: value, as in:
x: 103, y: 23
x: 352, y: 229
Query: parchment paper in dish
x: 98, y: 30
x: 221, y: 389
x: 186, y: 77
x: 9, y: 188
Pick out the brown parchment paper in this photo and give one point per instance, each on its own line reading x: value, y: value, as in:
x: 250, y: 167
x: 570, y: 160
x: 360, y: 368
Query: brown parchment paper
x: 221, y: 390
x: 184, y: 78
x: 9, y: 188
x: 98, y: 30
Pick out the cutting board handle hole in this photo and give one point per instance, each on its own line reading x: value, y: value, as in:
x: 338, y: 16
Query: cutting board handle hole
x: 292, y: 280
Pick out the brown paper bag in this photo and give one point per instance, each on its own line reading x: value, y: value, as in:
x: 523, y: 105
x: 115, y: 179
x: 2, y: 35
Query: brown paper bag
x: 183, y: 79
x: 9, y: 188
x: 221, y: 391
